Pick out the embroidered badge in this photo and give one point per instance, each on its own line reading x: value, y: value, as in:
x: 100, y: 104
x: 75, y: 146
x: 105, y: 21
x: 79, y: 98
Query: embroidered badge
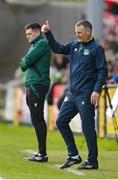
x: 75, y: 49
x: 86, y: 52
x: 65, y: 99
x: 83, y: 102
x: 35, y: 104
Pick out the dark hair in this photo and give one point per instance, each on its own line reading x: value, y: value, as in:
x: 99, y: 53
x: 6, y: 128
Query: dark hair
x: 34, y: 26
x: 84, y: 23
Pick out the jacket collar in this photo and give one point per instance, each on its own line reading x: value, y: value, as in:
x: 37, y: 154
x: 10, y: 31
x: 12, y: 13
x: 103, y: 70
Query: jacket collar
x: 37, y: 39
x: 88, y: 41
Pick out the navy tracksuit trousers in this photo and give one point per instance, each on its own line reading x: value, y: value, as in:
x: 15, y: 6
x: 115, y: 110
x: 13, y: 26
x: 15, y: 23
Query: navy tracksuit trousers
x: 70, y: 107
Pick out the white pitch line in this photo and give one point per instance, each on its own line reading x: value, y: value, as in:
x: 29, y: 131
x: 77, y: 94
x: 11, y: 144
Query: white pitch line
x: 76, y: 172
x: 29, y: 151
x: 73, y: 171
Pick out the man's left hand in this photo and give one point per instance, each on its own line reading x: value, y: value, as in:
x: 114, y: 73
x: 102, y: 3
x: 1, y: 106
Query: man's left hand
x: 94, y: 98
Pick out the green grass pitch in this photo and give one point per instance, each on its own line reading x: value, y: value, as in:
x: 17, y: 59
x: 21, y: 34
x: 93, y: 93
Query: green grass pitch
x: 16, y: 143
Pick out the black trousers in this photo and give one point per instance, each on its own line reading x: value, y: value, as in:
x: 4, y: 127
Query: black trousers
x: 36, y: 106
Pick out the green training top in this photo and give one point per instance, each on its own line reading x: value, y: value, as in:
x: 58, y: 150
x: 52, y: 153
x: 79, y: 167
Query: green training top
x: 36, y: 63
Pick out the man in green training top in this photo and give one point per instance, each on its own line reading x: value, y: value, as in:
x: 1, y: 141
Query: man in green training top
x: 36, y: 63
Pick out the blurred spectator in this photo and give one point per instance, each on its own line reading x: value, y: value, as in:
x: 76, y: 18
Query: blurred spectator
x: 59, y: 68
x: 110, y: 44
x: 115, y: 76
x: 110, y: 69
x: 111, y: 37
x: 59, y: 73
x: 116, y: 67
x: 60, y: 61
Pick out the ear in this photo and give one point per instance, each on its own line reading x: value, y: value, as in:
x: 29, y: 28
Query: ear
x: 89, y: 31
x: 38, y: 33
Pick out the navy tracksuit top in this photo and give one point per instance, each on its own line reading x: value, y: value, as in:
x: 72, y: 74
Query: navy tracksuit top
x: 88, y: 67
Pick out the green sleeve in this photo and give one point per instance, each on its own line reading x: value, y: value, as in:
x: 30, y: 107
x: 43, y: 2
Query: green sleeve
x: 33, y: 55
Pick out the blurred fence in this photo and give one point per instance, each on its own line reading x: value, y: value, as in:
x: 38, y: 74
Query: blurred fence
x: 108, y: 112
x: 12, y: 103
x: 13, y: 109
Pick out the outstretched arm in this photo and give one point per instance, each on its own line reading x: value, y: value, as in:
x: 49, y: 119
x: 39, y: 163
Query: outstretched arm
x: 55, y: 46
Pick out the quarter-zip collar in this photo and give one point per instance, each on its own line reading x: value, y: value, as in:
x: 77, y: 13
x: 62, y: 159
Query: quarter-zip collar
x: 88, y: 41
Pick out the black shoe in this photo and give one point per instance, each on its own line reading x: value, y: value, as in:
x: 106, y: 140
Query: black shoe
x: 71, y: 161
x: 87, y: 166
x: 37, y: 158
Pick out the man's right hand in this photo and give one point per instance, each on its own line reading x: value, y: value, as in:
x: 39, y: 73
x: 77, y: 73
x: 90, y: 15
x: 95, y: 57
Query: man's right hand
x: 45, y: 28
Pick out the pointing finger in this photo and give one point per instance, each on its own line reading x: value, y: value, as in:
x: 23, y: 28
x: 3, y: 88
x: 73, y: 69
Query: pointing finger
x: 47, y: 22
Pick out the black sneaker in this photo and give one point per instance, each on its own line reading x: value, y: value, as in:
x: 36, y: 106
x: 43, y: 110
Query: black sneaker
x: 87, y: 166
x: 71, y: 161
x: 37, y: 158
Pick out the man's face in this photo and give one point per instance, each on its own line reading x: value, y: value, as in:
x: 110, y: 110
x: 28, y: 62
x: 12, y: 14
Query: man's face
x: 82, y: 33
x: 31, y: 34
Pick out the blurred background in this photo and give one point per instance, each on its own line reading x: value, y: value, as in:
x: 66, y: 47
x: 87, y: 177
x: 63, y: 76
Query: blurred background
x: 62, y: 16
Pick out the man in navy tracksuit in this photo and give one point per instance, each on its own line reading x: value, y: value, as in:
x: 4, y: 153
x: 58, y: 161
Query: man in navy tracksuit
x: 88, y: 72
